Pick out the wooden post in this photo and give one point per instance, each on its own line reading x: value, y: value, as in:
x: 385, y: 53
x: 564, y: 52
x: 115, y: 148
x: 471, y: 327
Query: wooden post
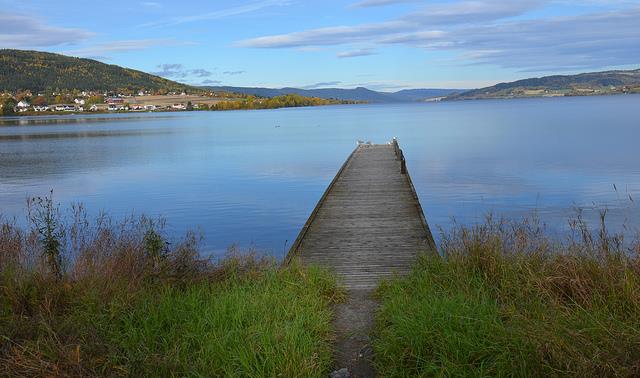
x: 396, y: 148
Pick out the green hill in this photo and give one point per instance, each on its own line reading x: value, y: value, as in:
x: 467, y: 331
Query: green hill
x: 40, y: 71
x: 586, y: 84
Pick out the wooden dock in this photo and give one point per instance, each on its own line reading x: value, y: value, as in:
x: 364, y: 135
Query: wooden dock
x: 369, y: 224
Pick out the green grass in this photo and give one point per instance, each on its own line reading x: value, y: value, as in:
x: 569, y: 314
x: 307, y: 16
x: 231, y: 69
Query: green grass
x: 264, y: 323
x: 114, y: 299
x: 275, y: 324
x: 507, y: 301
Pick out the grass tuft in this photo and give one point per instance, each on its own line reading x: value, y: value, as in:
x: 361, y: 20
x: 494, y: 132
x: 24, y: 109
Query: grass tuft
x: 506, y: 300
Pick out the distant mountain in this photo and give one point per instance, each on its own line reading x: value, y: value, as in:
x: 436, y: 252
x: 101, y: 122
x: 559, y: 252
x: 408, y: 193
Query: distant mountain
x: 424, y: 94
x: 355, y: 94
x: 40, y: 71
x: 586, y: 84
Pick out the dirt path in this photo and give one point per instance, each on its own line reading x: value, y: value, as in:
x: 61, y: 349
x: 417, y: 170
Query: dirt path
x: 353, y: 324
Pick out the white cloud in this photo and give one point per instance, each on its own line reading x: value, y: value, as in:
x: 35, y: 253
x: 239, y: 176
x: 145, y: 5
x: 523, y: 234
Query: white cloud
x: 337, y: 35
x: 461, y: 12
x: 489, y: 32
x: 20, y: 31
x: 467, y: 12
x: 178, y: 71
x: 220, y: 14
x: 356, y: 53
x: 105, y: 48
x: 322, y: 85
x: 587, y: 41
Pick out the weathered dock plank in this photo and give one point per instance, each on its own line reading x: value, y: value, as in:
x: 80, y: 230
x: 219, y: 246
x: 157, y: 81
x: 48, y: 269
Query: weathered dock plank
x: 369, y: 224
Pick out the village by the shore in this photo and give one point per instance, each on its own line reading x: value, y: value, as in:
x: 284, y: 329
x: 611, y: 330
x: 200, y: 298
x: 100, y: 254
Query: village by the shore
x: 86, y: 101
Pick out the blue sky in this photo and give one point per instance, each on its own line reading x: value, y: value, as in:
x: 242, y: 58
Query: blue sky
x: 380, y: 44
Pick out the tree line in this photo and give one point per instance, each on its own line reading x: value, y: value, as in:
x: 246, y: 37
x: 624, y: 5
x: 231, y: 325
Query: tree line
x: 285, y: 101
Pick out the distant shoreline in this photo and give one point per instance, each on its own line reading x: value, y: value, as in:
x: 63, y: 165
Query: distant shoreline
x: 531, y: 97
x: 166, y: 110
x: 449, y: 100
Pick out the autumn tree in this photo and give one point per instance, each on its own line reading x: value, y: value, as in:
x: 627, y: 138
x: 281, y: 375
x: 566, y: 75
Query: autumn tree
x: 7, y: 106
x: 39, y: 101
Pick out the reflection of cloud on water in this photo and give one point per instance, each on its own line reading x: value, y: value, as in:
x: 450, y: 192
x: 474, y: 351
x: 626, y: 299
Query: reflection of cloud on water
x: 243, y: 180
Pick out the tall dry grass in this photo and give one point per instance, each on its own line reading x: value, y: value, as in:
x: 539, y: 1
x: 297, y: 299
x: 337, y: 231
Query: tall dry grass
x: 505, y: 298
x: 83, y: 296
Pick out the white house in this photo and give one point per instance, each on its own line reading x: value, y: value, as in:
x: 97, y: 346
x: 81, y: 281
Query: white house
x: 178, y: 107
x: 40, y: 108
x: 79, y: 101
x: 114, y: 107
x: 23, y: 106
x: 64, y: 108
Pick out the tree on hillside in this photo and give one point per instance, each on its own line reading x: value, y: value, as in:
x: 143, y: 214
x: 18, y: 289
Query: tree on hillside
x: 8, y: 105
x: 39, y: 101
x: 98, y: 99
x: 63, y: 99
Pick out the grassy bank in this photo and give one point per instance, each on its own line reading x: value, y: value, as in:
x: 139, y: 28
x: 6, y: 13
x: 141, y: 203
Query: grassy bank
x: 506, y: 300
x: 100, y: 298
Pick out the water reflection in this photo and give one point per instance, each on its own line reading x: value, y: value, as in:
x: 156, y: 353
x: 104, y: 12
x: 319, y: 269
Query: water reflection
x: 239, y: 178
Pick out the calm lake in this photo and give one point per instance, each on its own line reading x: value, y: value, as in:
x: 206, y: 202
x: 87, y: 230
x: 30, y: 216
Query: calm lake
x: 252, y: 177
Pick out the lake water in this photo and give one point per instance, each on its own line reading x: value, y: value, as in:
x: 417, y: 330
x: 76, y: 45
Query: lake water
x: 252, y: 177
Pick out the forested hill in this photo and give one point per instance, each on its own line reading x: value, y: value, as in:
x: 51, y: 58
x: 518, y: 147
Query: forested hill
x: 592, y: 83
x: 40, y: 71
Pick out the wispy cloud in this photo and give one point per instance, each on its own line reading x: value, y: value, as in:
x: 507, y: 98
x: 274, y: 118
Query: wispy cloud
x: 489, y: 32
x: 200, y: 72
x: 377, y: 3
x: 179, y: 71
x: 356, y: 53
x: 233, y: 73
x: 21, y: 31
x: 449, y: 14
x: 106, y: 48
x: 219, y: 14
x: 322, y: 85
x: 569, y: 43
x: 211, y: 82
x: 337, y: 35
x: 468, y: 12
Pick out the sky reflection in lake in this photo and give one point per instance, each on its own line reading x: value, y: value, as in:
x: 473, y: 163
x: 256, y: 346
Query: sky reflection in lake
x: 238, y: 178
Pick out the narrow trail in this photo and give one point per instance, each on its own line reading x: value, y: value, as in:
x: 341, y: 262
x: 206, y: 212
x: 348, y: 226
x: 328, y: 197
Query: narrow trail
x: 353, y: 324
x: 368, y: 226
